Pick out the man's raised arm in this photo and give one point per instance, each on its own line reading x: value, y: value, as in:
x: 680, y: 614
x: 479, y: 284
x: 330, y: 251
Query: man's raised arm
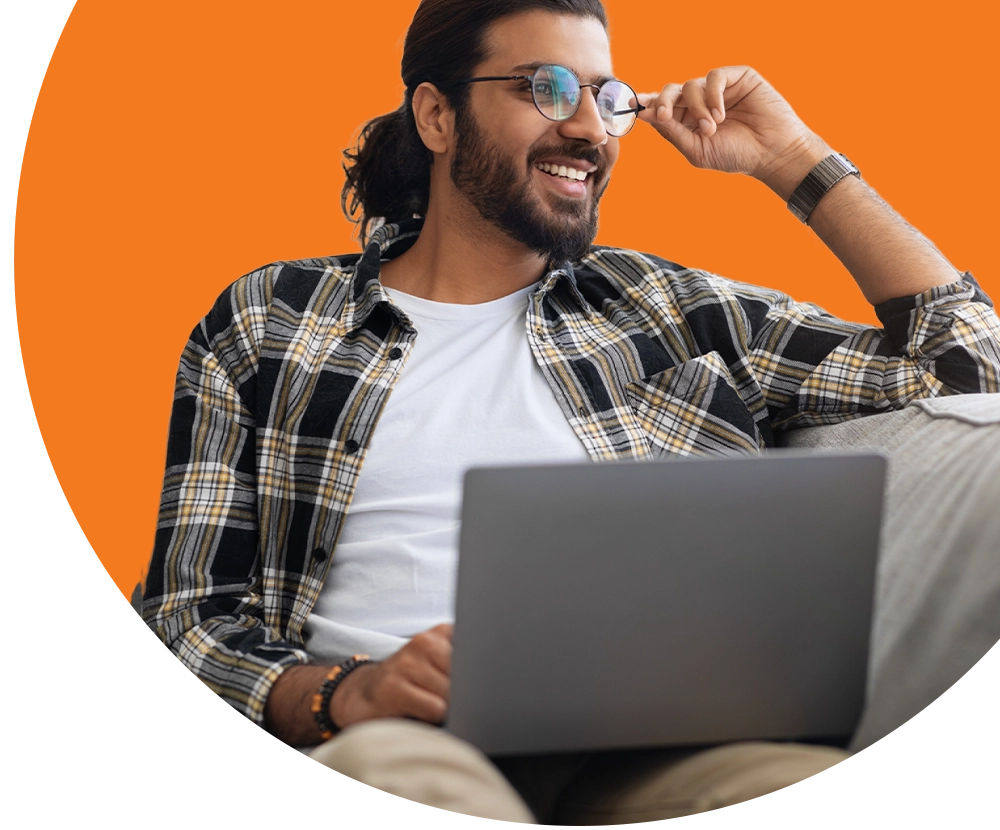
x: 734, y: 121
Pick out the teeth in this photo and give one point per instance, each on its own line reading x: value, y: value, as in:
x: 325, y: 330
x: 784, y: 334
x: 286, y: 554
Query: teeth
x: 562, y: 171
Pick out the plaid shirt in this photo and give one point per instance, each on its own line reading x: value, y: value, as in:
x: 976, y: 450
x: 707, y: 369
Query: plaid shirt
x: 281, y: 387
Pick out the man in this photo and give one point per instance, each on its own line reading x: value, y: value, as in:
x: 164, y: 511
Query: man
x: 308, y: 515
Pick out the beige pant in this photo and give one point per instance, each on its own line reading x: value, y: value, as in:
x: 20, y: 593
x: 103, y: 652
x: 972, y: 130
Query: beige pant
x: 425, y: 764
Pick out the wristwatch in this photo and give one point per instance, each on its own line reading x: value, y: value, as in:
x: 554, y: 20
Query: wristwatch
x: 818, y: 182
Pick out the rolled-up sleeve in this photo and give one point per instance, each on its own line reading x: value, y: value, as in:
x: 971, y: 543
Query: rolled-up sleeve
x: 816, y: 369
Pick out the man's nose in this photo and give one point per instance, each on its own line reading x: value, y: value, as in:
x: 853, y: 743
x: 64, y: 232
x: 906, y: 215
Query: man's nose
x: 586, y: 123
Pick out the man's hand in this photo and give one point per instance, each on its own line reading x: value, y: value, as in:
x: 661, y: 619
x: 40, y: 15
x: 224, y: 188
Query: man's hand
x: 734, y: 121
x: 413, y: 683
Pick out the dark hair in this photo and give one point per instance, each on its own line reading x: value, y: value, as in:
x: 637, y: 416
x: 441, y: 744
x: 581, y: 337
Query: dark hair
x: 389, y: 172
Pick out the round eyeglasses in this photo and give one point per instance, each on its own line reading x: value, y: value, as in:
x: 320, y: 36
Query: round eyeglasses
x: 558, y: 92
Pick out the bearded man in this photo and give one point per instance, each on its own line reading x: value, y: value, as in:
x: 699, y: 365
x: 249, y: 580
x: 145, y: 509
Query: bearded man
x: 309, y: 516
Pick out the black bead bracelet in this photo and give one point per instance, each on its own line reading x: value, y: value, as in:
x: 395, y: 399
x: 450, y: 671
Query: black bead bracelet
x: 321, y: 700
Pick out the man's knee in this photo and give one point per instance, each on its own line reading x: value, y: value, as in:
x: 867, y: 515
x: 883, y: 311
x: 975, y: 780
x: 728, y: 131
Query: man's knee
x: 730, y: 774
x: 381, y: 752
x: 425, y: 764
x: 649, y: 785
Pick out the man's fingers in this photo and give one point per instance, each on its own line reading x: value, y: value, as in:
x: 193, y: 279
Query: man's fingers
x: 688, y: 105
x: 696, y: 103
x: 715, y: 93
x: 730, y: 120
x: 667, y: 117
x: 435, y: 682
x: 421, y: 704
x: 446, y: 630
x: 414, y: 667
x: 434, y: 646
x: 659, y: 106
x: 396, y: 695
x: 402, y: 687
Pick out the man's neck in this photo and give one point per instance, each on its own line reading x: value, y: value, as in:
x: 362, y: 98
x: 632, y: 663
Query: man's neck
x: 460, y: 258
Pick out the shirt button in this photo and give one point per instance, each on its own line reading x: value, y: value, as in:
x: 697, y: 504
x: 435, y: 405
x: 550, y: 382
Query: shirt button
x: 351, y: 446
x: 395, y: 354
x: 319, y: 555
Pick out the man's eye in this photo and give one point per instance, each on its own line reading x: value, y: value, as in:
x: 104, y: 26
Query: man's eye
x: 543, y: 89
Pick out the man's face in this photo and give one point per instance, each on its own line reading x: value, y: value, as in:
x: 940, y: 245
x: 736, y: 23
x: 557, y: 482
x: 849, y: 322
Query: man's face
x: 503, y: 141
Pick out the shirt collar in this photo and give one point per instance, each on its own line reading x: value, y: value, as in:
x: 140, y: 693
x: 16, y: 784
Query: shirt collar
x: 390, y: 241
x: 386, y: 242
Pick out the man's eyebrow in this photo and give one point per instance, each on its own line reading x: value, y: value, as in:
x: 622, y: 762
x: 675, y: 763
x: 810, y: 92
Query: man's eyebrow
x: 531, y: 67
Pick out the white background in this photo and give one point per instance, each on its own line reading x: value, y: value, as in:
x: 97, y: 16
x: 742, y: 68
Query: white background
x: 103, y: 726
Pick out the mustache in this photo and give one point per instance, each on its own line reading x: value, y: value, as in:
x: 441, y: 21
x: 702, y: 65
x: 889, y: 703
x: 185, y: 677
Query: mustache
x: 590, y: 155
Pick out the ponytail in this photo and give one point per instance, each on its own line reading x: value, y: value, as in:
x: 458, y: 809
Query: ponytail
x: 388, y: 172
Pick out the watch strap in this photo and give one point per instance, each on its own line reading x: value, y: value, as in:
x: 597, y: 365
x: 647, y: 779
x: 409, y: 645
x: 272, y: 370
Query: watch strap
x: 818, y: 182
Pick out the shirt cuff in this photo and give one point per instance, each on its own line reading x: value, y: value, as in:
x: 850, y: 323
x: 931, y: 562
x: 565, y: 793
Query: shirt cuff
x: 897, y: 315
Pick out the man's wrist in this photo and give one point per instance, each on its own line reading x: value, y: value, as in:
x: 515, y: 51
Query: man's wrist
x: 785, y: 172
x: 322, y: 702
x: 341, y: 709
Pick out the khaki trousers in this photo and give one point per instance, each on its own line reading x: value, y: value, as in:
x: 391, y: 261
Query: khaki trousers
x: 425, y: 764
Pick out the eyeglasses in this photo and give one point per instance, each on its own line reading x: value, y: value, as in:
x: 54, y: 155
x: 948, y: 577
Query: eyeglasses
x: 558, y: 92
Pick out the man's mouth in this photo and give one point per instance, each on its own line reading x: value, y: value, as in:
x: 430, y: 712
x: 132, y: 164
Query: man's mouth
x: 565, y: 171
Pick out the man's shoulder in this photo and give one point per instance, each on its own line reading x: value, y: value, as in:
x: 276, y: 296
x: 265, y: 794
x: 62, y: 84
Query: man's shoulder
x: 295, y: 276
x: 626, y: 270
x: 630, y: 270
x: 314, y: 284
x: 626, y: 264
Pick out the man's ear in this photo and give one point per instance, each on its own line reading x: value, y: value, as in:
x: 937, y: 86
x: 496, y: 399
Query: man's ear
x: 435, y: 118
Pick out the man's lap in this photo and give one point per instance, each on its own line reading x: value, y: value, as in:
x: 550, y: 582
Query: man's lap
x: 428, y: 765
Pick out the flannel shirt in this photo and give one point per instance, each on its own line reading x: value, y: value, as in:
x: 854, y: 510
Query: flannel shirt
x: 281, y: 385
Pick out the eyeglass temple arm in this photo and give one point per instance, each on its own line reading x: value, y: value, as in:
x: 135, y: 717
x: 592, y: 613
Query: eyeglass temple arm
x: 636, y: 109
x: 495, y: 78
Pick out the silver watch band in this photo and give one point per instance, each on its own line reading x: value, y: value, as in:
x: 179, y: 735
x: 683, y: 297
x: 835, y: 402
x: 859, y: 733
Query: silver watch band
x: 818, y: 182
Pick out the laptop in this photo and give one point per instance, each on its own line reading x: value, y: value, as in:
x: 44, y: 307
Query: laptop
x: 677, y: 603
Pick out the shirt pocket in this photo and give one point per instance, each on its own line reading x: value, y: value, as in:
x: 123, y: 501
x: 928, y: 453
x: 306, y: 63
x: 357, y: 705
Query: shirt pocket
x: 694, y: 409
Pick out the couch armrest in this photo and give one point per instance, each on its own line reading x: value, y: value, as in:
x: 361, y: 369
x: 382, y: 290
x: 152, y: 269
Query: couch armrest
x: 937, y: 609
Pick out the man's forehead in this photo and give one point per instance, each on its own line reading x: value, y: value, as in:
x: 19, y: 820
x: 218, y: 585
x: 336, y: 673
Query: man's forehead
x: 523, y: 42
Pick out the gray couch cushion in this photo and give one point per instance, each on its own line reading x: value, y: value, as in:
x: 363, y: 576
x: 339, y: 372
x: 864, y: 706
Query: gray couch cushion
x: 938, y: 595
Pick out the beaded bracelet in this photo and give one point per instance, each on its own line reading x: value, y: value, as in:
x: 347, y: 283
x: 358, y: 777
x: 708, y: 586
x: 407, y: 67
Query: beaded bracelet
x: 321, y: 700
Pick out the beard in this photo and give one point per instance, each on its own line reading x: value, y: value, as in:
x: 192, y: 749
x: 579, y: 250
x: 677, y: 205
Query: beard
x: 489, y: 180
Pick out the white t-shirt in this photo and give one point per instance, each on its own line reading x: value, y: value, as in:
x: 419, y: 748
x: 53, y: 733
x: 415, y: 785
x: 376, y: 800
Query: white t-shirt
x: 471, y: 394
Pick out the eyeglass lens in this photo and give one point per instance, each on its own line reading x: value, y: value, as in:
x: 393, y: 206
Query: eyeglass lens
x: 557, y: 95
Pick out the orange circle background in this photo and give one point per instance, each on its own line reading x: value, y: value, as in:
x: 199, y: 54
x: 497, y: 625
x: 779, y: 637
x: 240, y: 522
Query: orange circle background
x: 176, y: 146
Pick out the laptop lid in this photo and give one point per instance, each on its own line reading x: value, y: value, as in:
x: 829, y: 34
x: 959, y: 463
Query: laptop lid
x: 686, y: 602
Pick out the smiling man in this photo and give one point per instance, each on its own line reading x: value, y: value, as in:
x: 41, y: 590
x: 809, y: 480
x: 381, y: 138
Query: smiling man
x: 310, y: 517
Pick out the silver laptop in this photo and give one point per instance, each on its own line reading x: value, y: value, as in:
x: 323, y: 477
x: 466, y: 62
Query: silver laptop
x: 691, y: 602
